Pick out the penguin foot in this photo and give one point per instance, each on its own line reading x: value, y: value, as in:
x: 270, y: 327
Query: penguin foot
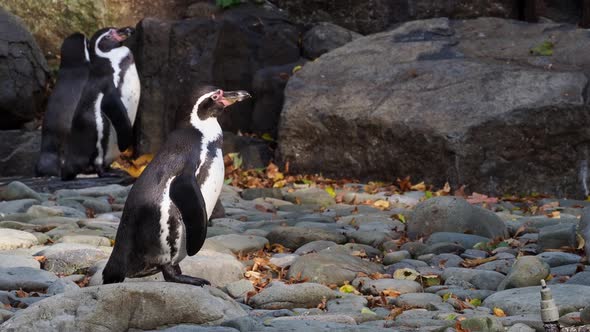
x: 173, y: 274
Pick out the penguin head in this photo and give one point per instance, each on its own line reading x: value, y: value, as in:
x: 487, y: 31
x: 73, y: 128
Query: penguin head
x: 105, y: 40
x: 74, y: 51
x: 212, y: 101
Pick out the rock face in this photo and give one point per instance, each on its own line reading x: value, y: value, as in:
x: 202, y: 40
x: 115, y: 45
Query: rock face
x: 155, y: 304
x: 382, y: 93
x: 23, y: 73
x: 376, y: 15
x: 228, y: 50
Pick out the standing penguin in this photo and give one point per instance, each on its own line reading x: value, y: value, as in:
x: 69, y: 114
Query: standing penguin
x: 102, y: 126
x: 71, y: 79
x: 166, y: 213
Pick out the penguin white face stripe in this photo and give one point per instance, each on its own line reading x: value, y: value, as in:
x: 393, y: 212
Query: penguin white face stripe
x: 209, y: 127
x: 115, y: 56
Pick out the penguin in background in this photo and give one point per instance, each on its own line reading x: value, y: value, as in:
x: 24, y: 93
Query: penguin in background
x: 166, y: 213
x: 73, y: 73
x: 102, y: 125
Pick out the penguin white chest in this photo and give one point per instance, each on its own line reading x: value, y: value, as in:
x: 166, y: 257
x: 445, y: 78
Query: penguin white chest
x: 211, y: 187
x: 130, y: 91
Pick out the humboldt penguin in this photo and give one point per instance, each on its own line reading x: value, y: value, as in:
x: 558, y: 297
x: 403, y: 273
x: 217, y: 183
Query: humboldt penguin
x: 102, y: 126
x: 166, y: 213
x: 71, y: 79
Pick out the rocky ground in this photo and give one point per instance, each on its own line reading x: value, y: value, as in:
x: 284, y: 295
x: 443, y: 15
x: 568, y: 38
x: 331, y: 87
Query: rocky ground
x: 293, y: 259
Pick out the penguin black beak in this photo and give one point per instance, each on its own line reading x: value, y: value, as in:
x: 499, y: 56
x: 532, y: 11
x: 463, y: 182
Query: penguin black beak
x: 124, y: 33
x: 232, y: 97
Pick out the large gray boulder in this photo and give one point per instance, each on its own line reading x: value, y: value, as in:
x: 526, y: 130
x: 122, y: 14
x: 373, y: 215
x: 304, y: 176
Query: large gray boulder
x: 463, y: 101
x: 23, y: 73
x: 120, y: 307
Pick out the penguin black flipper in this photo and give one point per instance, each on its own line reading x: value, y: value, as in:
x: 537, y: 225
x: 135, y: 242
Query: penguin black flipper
x: 113, y: 108
x: 187, y: 197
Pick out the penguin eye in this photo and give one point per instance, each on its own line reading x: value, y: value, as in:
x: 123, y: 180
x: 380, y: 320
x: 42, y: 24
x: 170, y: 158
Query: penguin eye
x: 215, y: 97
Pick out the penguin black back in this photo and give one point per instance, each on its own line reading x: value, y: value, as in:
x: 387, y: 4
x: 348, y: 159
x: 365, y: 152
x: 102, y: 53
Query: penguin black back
x: 166, y: 213
x: 71, y: 79
x: 103, y: 110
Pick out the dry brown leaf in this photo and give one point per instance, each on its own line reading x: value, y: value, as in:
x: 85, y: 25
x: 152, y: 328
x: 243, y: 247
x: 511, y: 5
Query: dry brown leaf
x: 394, y: 313
x: 21, y: 293
x: 477, y: 261
x: 476, y: 198
x: 40, y: 259
x: 390, y: 292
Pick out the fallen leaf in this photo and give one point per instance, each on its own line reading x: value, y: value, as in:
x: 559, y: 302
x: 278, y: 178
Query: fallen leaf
x: 347, y: 289
x: 382, y: 204
x: 498, y: 312
x: 330, y: 190
x: 367, y: 311
x: 475, y: 302
x: 21, y: 293
x: 400, y: 217
x: 476, y: 198
x: 40, y: 259
x: 406, y: 274
x: 543, y: 49
x: 420, y: 186
x: 391, y: 292
x: 477, y: 261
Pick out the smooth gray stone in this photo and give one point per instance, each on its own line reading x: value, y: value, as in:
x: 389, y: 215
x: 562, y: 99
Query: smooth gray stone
x: 526, y: 300
x: 27, y: 278
x: 555, y: 237
x: 18, y: 190
x: 81, y: 310
x: 16, y: 206
x: 559, y: 258
x: 8, y: 261
x: 281, y: 296
x: 526, y: 271
x: 481, y: 279
x: 465, y: 240
x: 580, y: 278
x: 417, y: 300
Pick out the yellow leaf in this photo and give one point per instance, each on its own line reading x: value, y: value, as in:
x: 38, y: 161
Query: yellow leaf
x: 267, y: 137
x: 581, y: 241
x: 475, y: 302
x: 400, y: 217
x: 381, y: 204
x: 499, y: 312
x: 296, y: 69
x: 347, y: 289
x: 447, y: 296
x: 555, y: 215
x: 279, y: 184
x: 420, y: 186
x: 367, y: 311
x: 406, y: 274
x: 330, y: 190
